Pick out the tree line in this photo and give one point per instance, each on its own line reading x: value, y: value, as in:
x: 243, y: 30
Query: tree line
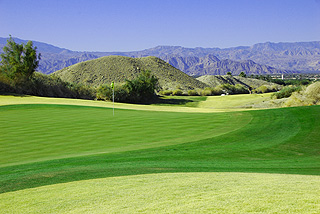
x: 18, y: 75
x: 20, y: 61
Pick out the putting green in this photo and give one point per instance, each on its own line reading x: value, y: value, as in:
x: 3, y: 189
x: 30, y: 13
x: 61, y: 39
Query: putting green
x: 172, y: 193
x: 44, y: 132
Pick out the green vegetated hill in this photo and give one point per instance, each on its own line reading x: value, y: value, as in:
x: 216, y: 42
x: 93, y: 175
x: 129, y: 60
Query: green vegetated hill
x: 215, y: 80
x: 104, y: 70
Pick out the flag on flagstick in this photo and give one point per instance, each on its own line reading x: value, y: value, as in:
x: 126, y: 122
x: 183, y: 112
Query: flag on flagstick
x: 112, y: 86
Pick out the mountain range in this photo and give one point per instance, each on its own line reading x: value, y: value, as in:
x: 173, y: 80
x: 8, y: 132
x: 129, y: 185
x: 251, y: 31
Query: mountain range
x: 262, y: 58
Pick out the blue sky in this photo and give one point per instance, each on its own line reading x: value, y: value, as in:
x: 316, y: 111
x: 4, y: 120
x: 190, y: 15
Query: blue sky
x: 127, y: 25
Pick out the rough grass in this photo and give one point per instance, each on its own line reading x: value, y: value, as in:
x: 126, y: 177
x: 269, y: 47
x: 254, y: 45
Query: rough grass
x: 172, y: 193
x: 236, y: 102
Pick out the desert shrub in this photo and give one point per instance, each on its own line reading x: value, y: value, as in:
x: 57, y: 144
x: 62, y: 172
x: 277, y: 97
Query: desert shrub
x: 227, y: 88
x: 234, y: 89
x: 166, y: 92
x: 141, y: 89
x: 193, y: 93
x: 297, y: 99
x: 313, y: 92
x: 206, y: 92
x: 46, y: 86
x: 218, y: 90
x: 120, y: 94
x: 274, y: 88
x: 307, y: 96
x: 262, y: 89
x: 5, y: 84
x: 177, y: 92
x: 105, y: 92
x: 286, y: 92
x: 240, y: 89
x: 267, y: 88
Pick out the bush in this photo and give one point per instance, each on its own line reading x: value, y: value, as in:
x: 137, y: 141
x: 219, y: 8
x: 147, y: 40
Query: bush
x: 234, y: 89
x: 240, y: 89
x: 46, y: 86
x: 260, y: 90
x: 166, y: 92
x: 177, y: 92
x: 313, y: 91
x: 242, y: 74
x: 307, y: 96
x: 266, y: 89
x: 206, y: 92
x: 286, y: 92
x: 105, y: 92
x: 193, y: 93
x: 218, y: 90
x: 142, y: 88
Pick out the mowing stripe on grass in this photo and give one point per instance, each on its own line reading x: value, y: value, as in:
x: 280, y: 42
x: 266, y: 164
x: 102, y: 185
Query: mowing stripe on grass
x: 274, y: 141
x: 31, y: 133
x: 173, y: 193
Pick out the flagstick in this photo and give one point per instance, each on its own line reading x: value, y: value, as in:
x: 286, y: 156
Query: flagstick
x: 113, y: 101
x: 112, y: 86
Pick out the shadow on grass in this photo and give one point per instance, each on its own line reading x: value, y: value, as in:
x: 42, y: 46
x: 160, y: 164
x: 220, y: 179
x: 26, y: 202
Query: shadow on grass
x: 169, y: 101
x: 161, y: 101
x: 14, y: 94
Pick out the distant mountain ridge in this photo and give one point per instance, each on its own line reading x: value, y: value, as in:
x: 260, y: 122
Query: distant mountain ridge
x: 212, y: 65
x: 262, y: 58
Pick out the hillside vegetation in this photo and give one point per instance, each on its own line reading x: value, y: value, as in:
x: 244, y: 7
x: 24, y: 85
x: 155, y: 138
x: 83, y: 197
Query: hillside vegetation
x: 216, y: 80
x: 104, y: 70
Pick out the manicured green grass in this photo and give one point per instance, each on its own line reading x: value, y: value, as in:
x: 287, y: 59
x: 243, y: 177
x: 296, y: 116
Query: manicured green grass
x: 58, y: 158
x: 172, y: 193
x: 44, y: 132
x: 267, y: 141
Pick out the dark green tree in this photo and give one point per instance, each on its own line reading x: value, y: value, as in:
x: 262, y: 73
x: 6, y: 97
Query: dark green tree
x: 242, y: 74
x: 229, y: 73
x: 19, y: 61
x: 142, y: 88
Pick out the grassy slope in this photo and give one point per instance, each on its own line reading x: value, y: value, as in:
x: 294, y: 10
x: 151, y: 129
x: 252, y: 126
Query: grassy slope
x: 267, y: 141
x: 240, y: 101
x: 104, y: 70
x: 172, y: 193
x: 75, y: 131
x: 274, y: 141
x: 215, y: 80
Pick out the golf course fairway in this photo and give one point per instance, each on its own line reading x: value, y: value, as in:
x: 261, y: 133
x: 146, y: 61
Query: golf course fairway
x: 57, y: 157
x: 172, y: 193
